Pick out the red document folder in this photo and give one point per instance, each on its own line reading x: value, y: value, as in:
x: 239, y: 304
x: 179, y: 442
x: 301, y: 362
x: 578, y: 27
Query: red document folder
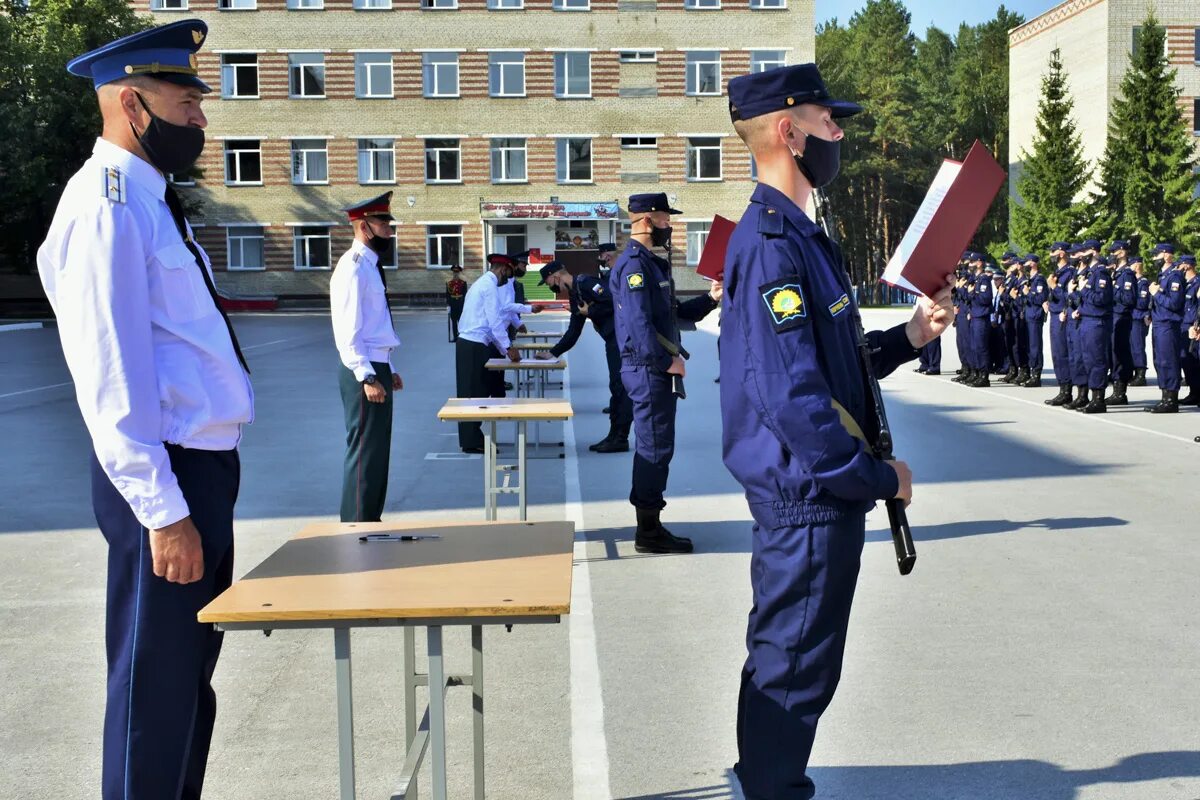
x: 946, y: 222
x: 712, y: 260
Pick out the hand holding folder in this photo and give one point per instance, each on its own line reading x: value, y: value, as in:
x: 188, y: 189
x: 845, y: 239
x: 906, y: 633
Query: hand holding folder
x: 712, y: 260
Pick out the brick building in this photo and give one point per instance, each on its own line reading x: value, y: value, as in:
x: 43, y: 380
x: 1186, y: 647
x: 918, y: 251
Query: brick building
x: 499, y: 125
x: 1096, y: 38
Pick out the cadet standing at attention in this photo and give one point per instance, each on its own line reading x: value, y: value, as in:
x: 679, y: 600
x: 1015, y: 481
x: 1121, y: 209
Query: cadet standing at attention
x: 1167, y: 302
x: 1125, y: 296
x: 1095, y: 329
x: 1140, y: 328
x: 1079, y: 376
x: 797, y: 410
x: 456, y: 293
x: 980, y: 316
x: 646, y: 311
x: 1188, y: 361
x: 1036, y: 295
x: 1056, y: 307
x: 164, y: 392
x: 365, y: 338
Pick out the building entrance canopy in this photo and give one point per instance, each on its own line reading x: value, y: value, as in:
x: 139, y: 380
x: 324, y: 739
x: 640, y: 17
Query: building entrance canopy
x: 549, y: 211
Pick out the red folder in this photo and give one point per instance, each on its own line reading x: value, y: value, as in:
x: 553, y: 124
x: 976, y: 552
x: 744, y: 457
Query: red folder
x: 712, y: 260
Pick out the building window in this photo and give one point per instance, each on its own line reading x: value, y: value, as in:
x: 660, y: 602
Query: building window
x: 701, y: 5
x: 305, y: 5
x: 311, y: 247
x: 183, y: 178
x: 439, y: 5
x: 1196, y: 116
x: 1136, y: 45
x: 572, y: 5
x: 509, y: 239
x: 697, y: 235
x: 572, y: 75
x: 1197, y: 46
x: 443, y: 158
x: 763, y: 60
x: 372, y: 75
x: 703, y: 158
x: 506, y: 74
x: 639, y: 142
x: 237, y: 5
x: 505, y: 5
x: 306, y: 74
x: 376, y: 160
x: 753, y: 169
x: 372, y: 5
x: 440, y: 72
x: 244, y: 246
x: 310, y: 161
x: 243, y: 162
x: 703, y: 72
x: 638, y: 57
x: 443, y: 246
x: 768, y: 4
x: 508, y: 161
x: 574, y: 160
x: 169, y: 5
x: 239, y: 75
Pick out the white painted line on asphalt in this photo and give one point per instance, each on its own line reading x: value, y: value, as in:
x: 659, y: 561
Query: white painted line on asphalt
x: 38, y: 389
x: 452, y: 456
x: 21, y: 326
x: 589, y: 748
x: 265, y: 344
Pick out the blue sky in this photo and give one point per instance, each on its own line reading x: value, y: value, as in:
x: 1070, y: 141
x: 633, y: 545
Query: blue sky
x: 946, y: 14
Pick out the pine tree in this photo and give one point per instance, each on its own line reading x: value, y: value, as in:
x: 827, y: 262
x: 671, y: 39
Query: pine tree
x: 1054, y: 174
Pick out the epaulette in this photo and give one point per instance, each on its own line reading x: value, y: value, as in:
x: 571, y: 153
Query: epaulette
x: 114, y: 184
x: 770, y: 222
x: 356, y: 257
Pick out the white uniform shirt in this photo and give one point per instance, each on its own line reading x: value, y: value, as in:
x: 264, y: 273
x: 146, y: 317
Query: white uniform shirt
x: 511, y: 309
x: 147, y: 348
x: 362, y: 323
x: 484, y: 319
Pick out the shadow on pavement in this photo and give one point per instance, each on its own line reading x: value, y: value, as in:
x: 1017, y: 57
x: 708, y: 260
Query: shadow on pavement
x: 984, y: 527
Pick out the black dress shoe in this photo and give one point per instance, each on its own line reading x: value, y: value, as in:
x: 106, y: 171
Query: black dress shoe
x: 508, y: 387
x: 474, y: 450
x: 920, y: 370
x: 933, y: 372
x: 606, y: 410
x: 661, y: 541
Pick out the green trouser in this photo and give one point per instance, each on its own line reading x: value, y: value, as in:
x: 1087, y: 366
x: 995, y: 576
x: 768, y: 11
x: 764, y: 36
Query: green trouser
x: 368, y: 446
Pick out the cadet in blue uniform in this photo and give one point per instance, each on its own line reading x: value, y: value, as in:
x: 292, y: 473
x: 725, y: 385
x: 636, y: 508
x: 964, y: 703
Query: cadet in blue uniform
x: 796, y: 408
x: 931, y: 358
x: 607, y: 256
x: 1188, y: 361
x: 1079, y: 377
x: 1095, y: 330
x: 980, y: 317
x: 1035, y: 296
x: 1167, y: 303
x: 1125, y: 296
x: 962, y: 330
x: 1008, y: 317
x: 1140, y: 326
x: 164, y: 391
x: 1060, y: 343
x: 646, y: 310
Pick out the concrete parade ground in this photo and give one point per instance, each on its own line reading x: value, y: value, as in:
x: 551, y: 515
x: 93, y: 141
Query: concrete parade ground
x: 1045, y: 647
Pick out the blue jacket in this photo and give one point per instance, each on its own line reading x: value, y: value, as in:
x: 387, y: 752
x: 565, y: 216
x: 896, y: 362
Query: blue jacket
x: 1169, y: 303
x: 1144, y: 301
x: 590, y: 290
x: 1058, y: 295
x: 1125, y: 291
x: 981, y: 297
x: 1096, y: 293
x: 1039, y: 292
x: 789, y: 348
x: 1191, y: 303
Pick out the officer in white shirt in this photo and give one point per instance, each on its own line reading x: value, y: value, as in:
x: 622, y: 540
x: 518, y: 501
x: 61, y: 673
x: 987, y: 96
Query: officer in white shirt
x: 362, y: 329
x: 163, y: 389
x: 483, y: 335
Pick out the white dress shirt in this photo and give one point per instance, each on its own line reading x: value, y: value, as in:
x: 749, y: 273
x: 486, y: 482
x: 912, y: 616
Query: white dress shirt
x: 362, y: 322
x: 511, y: 309
x: 484, y: 319
x: 149, y: 353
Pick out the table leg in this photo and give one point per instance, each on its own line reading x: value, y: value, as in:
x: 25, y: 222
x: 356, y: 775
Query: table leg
x: 489, y: 470
x: 345, y: 707
x: 521, y: 461
x: 477, y: 691
x: 437, y: 712
x: 410, y: 695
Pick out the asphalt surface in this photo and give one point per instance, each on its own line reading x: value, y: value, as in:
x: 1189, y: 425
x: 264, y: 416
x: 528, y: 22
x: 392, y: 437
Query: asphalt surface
x: 1044, y: 649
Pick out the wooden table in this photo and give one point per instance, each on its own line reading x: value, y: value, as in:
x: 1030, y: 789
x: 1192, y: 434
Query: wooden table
x: 477, y: 574
x: 490, y: 411
x: 525, y: 369
x: 543, y: 336
x: 535, y: 347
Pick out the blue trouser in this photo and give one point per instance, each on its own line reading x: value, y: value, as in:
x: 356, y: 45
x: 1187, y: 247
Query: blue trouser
x: 981, y: 333
x: 1079, y: 375
x: 1021, y: 351
x: 1095, y: 334
x: 1188, y: 362
x: 962, y: 340
x: 931, y: 356
x: 654, y: 425
x: 1060, y: 350
x: 1137, y: 340
x: 1122, y: 348
x: 1165, y: 337
x: 802, y: 581
x: 158, y: 720
x: 1033, y: 334
x: 620, y: 410
x: 1011, y: 356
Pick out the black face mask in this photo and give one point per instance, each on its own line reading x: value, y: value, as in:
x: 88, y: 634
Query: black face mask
x: 172, y: 149
x: 820, y: 162
x: 380, y: 244
x: 660, y: 237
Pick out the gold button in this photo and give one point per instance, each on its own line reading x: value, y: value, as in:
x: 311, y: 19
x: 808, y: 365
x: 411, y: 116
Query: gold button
x: 791, y: 101
x: 128, y: 69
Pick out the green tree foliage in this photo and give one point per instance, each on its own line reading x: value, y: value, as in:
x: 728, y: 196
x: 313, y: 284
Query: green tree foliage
x: 48, y: 118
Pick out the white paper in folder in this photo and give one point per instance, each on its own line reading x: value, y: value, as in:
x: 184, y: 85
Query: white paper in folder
x: 894, y: 274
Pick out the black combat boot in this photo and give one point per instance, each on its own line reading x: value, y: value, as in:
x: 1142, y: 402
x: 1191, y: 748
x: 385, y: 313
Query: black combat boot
x: 982, y: 380
x: 1097, y: 404
x: 1190, y: 399
x: 1022, y: 376
x: 1034, y: 381
x: 652, y: 537
x: 1139, y: 377
x: 1168, y: 405
x: 1010, y: 376
x: 1062, y: 398
x: 617, y: 441
x: 1119, y: 398
x: 612, y: 430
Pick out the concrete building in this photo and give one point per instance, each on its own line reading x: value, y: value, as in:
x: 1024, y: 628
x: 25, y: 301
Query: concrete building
x: 1096, y: 38
x: 500, y: 125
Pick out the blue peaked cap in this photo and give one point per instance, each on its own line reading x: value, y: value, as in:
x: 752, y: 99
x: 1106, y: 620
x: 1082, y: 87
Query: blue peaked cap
x: 654, y: 201
x: 167, y: 52
x: 761, y: 93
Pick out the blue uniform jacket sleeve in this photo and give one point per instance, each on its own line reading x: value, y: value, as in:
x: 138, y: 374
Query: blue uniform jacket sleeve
x: 890, y: 349
x: 571, y: 334
x: 695, y: 309
x: 1172, y: 296
x: 636, y: 307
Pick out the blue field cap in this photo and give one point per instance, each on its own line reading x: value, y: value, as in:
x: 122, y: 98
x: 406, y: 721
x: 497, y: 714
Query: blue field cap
x: 1136, y: 260
x: 1119, y: 244
x: 1188, y: 259
x: 1164, y: 247
x: 1092, y: 244
x: 654, y: 201
x: 167, y: 52
x: 1032, y: 257
x: 761, y: 93
x: 1009, y: 256
x: 1064, y: 246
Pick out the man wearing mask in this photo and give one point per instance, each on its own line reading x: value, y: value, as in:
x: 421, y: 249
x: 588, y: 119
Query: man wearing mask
x: 607, y: 257
x: 1168, y: 302
x: 1009, y: 298
x: 1125, y: 297
x: 1056, y: 307
x: 1095, y: 328
x: 483, y: 334
x: 980, y: 317
x: 164, y: 391
x: 1188, y: 361
x: 365, y: 338
x: 1140, y: 326
x: 652, y: 360
x: 1035, y: 295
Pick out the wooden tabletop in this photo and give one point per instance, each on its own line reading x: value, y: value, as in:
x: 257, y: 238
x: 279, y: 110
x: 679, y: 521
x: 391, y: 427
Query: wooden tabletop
x: 470, y: 409
x: 479, y: 570
x: 538, y: 334
x: 526, y: 363
x: 535, y: 346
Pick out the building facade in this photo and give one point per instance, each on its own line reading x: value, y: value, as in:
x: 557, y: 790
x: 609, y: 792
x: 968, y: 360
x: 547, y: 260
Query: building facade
x: 500, y: 125
x: 1096, y: 39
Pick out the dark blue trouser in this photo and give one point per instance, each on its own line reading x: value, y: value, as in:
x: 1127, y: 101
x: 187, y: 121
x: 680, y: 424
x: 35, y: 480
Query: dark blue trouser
x: 1189, y: 364
x: 981, y: 337
x: 654, y: 425
x: 1165, y: 337
x: 1095, y: 334
x: 1011, y: 356
x: 1022, y: 338
x: 1060, y: 350
x: 1122, y: 348
x: 368, y: 445
x: 931, y: 356
x: 620, y: 410
x: 962, y: 340
x: 1137, y: 339
x: 1033, y: 335
x: 1079, y: 375
x: 158, y: 720
x: 802, y: 580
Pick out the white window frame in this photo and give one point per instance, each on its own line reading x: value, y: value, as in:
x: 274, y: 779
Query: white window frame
x: 693, y: 65
x: 296, y: 75
x: 230, y: 239
x: 637, y: 56
x: 368, y: 150
x: 433, y: 239
x: 237, y: 5
x: 372, y: 5
x: 501, y: 241
x: 439, y: 5
x: 239, y: 151
x: 498, y: 68
x: 697, y: 236
x: 305, y: 5
x: 229, y: 79
x: 168, y: 5
x: 367, y: 63
x: 505, y: 5
x: 1196, y: 115
x: 702, y: 5
x: 562, y: 63
x: 501, y: 149
x: 694, y: 152
x: 457, y: 149
x: 190, y: 180
x: 562, y: 160
x: 768, y: 5
x: 572, y: 5
x: 760, y: 64
x: 302, y: 236
x: 431, y: 74
x: 302, y: 165
x: 636, y: 142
